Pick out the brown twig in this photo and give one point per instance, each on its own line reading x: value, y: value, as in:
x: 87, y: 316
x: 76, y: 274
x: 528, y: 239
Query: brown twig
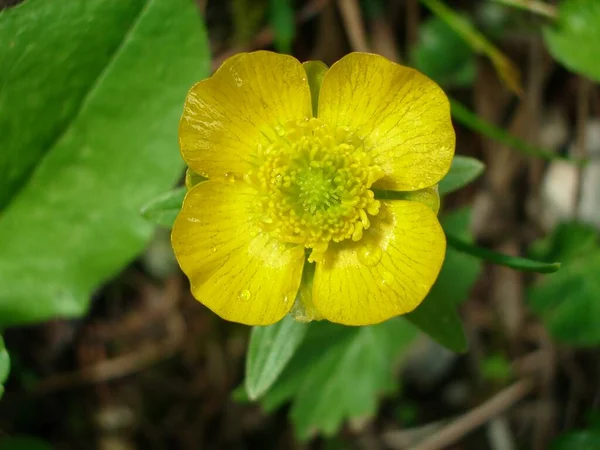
x: 354, y: 25
x: 478, y: 416
x: 265, y: 37
x: 122, y: 365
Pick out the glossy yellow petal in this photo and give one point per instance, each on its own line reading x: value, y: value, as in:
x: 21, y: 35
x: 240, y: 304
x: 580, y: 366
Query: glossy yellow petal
x: 235, y: 269
x: 387, y: 273
x: 401, y: 115
x: 429, y: 196
x: 315, y: 71
x: 227, y: 116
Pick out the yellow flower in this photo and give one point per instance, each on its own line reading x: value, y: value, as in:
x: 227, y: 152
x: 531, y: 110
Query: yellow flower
x: 321, y: 196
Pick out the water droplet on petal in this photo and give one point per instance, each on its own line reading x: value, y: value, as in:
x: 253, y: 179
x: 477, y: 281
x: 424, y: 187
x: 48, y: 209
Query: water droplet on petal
x: 245, y: 295
x: 230, y: 176
x: 214, y: 249
x: 387, y: 278
x: 370, y: 255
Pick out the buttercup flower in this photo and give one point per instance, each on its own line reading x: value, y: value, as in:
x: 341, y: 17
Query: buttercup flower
x: 321, y: 198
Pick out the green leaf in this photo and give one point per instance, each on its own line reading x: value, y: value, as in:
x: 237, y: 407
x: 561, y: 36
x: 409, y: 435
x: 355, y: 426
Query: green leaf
x: 574, y: 39
x: 514, y: 262
x: 76, y: 221
x: 163, y: 210
x: 283, y: 22
x: 4, y: 365
x: 469, y: 119
x: 338, y: 373
x: 270, y: 350
x: 437, y: 316
x: 462, y: 172
x: 24, y: 443
x: 567, y: 301
x: 443, y: 55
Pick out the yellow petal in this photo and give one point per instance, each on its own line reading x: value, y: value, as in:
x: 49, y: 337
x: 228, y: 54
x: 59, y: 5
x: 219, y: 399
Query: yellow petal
x: 429, y: 196
x: 387, y: 273
x: 402, y: 116
x: 235, y: 269
x: 227, y: 116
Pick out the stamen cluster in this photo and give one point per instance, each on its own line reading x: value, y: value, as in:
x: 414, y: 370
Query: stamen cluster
x: 315, y: 184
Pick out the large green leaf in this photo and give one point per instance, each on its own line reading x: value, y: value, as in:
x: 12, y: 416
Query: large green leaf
x: 569, y: 301
x: 4, y: 365
x: 437, y: 316
x: 339, y: 373
x: 270, y: 350
x: 574, y: 39
x: 107, y: 149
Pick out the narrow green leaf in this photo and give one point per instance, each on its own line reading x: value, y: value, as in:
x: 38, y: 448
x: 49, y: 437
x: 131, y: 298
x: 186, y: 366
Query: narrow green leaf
x: 533, y: 6
x: 462, y: 172
x: 574, y: 39
x: 437, y: 316
x: 469, y: 119
x: 77, y: 220
x: 506, y: 69
x: 270, y: 350
x: 514, y: 262
x: 4, y: 365
x: 163, y: 210
x: 283, y: 22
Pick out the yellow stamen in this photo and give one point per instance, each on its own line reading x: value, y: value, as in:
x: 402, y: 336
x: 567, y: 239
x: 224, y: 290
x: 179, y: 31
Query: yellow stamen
x: 315, y: 184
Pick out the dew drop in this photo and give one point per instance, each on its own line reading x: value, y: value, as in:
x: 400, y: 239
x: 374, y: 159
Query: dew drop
x: 214, y: 249
x: 230, y: 176
x: 245, y: 295
x: 290, y: 296
x: 387, y: 278
x: 370, y: 255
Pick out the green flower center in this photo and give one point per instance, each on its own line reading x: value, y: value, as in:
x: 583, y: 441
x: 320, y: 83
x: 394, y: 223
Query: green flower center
x: 315, y: 184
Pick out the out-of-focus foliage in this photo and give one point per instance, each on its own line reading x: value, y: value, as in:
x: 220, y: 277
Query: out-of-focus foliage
x: 338, y: 373
x: 574, y: 39
x: 437, y: 315
x: 270, y: 350
x: 24, y: 443
x: 496, y: 368
x: 469, y: 119
x: 443, y: 55
x: 585, y: 439
x: 506, y: 69
x: 567, y: 301
x: 90, y: 106
x: 282, y: 20
x: 4, y: 365
x: 462, y: 172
